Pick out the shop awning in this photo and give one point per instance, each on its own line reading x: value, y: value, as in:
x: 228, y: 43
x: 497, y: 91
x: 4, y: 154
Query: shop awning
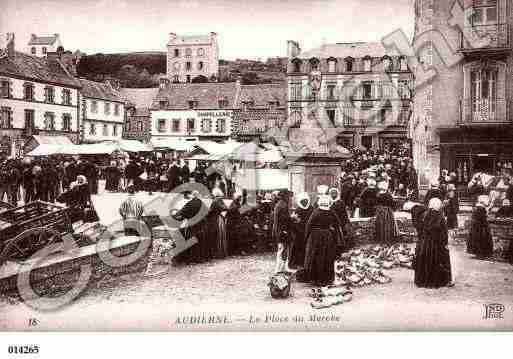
x: 176, y: 144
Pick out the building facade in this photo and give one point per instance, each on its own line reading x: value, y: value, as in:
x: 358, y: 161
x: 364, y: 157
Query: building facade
x: 138, y: 123
x: 192, y: 57
x: 201, y: 111
x: 38, y: 96
x: 102, y: 112
x: 463, y: 116
x: 359, y: 93
x: 260, y: 111
x: 41, y: 45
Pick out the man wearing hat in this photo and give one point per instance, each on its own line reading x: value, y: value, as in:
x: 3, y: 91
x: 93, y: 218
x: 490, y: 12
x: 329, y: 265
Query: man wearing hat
x: 282, y: 231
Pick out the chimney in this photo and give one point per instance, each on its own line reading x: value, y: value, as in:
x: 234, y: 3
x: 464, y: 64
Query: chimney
x: 293, y: 49
x: 9, y: 47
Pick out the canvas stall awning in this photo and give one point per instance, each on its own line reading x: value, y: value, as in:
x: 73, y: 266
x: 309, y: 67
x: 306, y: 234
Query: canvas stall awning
x: 170, y: 143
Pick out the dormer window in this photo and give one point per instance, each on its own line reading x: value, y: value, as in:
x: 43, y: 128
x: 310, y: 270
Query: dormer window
x: 367, y: 64
x: 314, y: 64
x: 248, y: 104
x: 296, y: 64
x: 193, y: 104
x: 332, y: 65
x: 223, y: 103
x: 387, y: 63
x: 349, y: 64
x: 485, y: 12
x: 403, y: 64
x: 163, y: 104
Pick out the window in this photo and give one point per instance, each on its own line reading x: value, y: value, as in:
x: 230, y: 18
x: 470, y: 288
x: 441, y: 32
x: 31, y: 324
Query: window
x: 367, y: 90
x: 332, y: 65
x: 403, y: 89
x: 201, y: 52
x: 176, y: 66
x: 331, y: 116
x: 114, y: 130
x: 314, y: 65
x: 193, y: 104
x: 382, y: 115
x: 92, y: 129
x: 403, y: 64
x: 140, y: 126
x: 248, y: 104
x: 188, y: 78
x: 188, y: 52
x: 28, y: 91
x: 107, y: 108
x: 163, y: 104
x: 330, y: 92
x: 188, y: 66
x: 49, y: 94
x: 223, y: 103
x: 295, y: 92
x: 5, y: 89
x: 176, y: 79
x: 66, y: 97
x: 295, y: 119
x: 176, y: 125
x: 49, y: 121
x: 161, y: 125
x: 5, y: 117
x: 116, y: 109
x: 29, y: 120
x: 190, y: 125
x: 485, y: 12
x: 221, y: 125
x: 200, y: 65
x: 177, y: 53
x: 367, y: 63
x: 349, y: 65
x: 33, y: 50
x: 387, y: 63
x: 94, y: 106
x: 66, y: 122
x: 296, y: 65
x: 206, y: 125
x: 43, y: 50
x: 105, y: 131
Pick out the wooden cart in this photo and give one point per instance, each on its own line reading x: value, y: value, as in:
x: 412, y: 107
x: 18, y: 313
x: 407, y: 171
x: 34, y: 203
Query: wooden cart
x: 26, y: 229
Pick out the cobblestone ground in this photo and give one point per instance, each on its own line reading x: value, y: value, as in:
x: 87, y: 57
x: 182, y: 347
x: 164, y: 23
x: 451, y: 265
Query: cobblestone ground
x: 237, y: 288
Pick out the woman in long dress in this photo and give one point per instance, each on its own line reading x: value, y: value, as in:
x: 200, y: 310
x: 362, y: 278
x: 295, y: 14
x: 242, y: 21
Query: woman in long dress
x: 367, y: 202
x: 323, y: 234
x: 432, y: 259
x: 302, y: 215
x: 112, y: 177
x: 339, y: 208
x: 216, y: 226
x: 233, y: 220
x: 480, y: 241
x: 385, y: 222
x: 452, y: 207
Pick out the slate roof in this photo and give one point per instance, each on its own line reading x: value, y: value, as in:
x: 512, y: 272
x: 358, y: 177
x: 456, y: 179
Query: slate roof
x: 349, y: 49
x: 262, y: 94
x: 191, y: 39
x: 29, y: 67
x: 140, y: 98
x: 100, y: 90
x: 207, y: 95
x: 42, y: 40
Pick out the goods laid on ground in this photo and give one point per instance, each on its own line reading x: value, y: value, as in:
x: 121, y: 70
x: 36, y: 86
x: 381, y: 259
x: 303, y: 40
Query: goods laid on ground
x: 359, y: 268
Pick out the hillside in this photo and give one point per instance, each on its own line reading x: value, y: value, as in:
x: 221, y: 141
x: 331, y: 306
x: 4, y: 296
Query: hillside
x: 143, y: 69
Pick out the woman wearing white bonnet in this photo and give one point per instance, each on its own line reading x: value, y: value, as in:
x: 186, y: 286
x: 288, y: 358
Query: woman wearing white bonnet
x: 368, y: 200
x: 432, y: 258
x: 301, y: 216
x: 216, y: 226
x: 322, y: 234
x: 480, y: 241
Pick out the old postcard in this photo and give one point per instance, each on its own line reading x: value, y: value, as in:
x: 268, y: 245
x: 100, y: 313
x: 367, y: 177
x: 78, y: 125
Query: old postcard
x: 234, y: 165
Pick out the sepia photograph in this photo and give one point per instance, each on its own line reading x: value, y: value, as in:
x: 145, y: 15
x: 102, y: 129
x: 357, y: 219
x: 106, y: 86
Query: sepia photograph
x: 255, y: 166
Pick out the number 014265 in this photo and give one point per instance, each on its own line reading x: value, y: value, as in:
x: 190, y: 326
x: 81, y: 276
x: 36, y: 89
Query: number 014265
x: 23, y: 349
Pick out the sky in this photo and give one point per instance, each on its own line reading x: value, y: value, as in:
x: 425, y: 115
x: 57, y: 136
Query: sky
x: 248, y: 29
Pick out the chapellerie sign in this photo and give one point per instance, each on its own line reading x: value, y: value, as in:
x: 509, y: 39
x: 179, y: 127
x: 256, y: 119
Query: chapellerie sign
x: 214, y: 114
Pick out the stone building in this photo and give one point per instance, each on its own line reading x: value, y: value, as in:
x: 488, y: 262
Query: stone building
x: 192, y: 57
x: 102, y: 112
x: 358, y: 93
x: 38, y: 96
x: 260, y: 110
x: 463, y: 110
x: 41, y: 45
x: 138, y: 124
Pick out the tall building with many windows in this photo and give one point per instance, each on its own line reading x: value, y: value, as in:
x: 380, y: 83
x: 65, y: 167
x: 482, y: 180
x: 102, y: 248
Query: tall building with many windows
x: 192, y: 58
x: 463, y: 100
x: 358, y: 93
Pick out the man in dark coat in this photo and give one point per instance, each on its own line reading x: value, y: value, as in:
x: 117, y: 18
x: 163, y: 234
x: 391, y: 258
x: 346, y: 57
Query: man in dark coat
x: 27, y: 178
x: 282, y: 231
x: 173, y: 176
x: 132, y: 172
x: 185, y: 173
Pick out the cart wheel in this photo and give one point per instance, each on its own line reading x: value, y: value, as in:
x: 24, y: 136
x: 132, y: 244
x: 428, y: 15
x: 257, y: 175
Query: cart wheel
x: 27, y: 243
